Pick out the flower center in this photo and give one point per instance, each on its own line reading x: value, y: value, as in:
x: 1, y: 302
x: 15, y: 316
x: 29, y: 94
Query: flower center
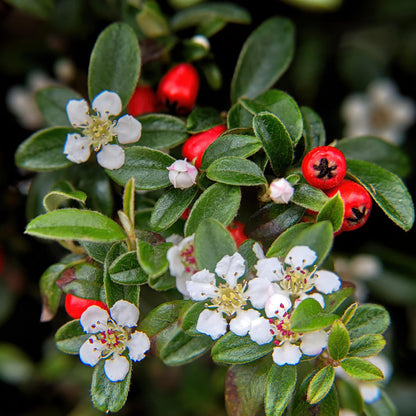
x: 297, y: 281
x: 281, y: 330
x: 380, y: 117
x: 188, y: 259
x: 99, y: 131
x: 114, y: 339
x: 229, y: 299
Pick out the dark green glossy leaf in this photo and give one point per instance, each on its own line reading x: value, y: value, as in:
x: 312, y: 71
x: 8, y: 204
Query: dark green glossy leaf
x: 333, y: 211
x: 314, y: 131
x: 70, y: 337
x: 203, y: 118
x: 126, y: 270
x: 279, y: 246
x: 239, y: 117
x: 50, y: 291
x: 368, y: 319
x: 262, y: 62
x: 320, y: 384
x: 335, y: 299
x: 338, y: 341
x: 43, y: 150
x: 98, y: 251
x: 361, y: 369
x: 190, y: 319
x: 367, y: 346
x: 162, y: 282
x: 309, y: 197
x: 387, y: 189
x: 152, y: 258
x: 246, y: 250
x: 219, y: 201
x: 115, y: 52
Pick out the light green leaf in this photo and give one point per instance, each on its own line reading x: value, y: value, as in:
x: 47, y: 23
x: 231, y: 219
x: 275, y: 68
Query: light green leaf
x: 333, y: 211
x: 367, y: 346
x: 75, y: 224
x: 361, y: 369
x: 236, y: 171
x: 309, y: 197
x: 368, y: 319
x: 338, y: 341
x: 44, y: 149
x: 262, y: 62
x: 70, y: 337
x: 279, y: 246
x: 387, y: 189
x: 219, y: 201
x: 61, y: 192
x: 321, y: 384
x: 349, y: 313
x: 115, y: 52
x: 129, y: 195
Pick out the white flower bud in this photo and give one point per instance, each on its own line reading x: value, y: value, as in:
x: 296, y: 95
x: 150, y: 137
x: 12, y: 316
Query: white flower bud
x: 201, y: 40
x: 281, y: 191
x: 182, y: 174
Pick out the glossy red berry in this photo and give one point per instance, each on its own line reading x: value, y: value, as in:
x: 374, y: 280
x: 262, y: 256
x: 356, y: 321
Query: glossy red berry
x: 195, y: 146
x: 236, y: 230
x: 357, y: 204
x: 324, y: 167
x: 143, y: 100
x: 76, y: 306
x: 178, y: 89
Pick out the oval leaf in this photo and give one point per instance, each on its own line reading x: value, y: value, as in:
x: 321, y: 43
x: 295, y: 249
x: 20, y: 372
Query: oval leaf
x: 126, y: 270
x: 338, y: 341
x: 309, y: 197
x: 361, y: 369
x: 368, y: 319
x: 333, y: 211
x: 70, y: 337
x: 320, y: 384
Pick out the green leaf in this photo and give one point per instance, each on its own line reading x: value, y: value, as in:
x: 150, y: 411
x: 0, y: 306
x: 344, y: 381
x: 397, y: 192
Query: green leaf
x: 276, y: 141
x: 230, y: 145
x: 309, y: 316
x: 335, y: 299
x: 163, y: 282
x: 97, y: 251
x: 190, y: 319
x: 233, y: 349
x: 62, y: 192
x: 201, y: 13
x: 147, y: 166
x: 283, y: 106
x: 309, y: 197
x: 376, y: 150
x: 74, y: 224
x: 349, y: 313
x: 313, y: 129
x: 245, y: 387
x: 38, y: 8
x: 109, y: 396
x: 387, y: 189
x: 239, y: 117
x: 381, y: 407
x: 182, y: 348
x: 50, y: 291
x: 70, y: 337
x: 170, y: 206
x: 125, y: 269
x: 367, y: 346
x: 15, y: 366
x: 349, y: 396
x: 129, y: 200
x: 203, y: 118
x: 338, y: 341
x: 44, y: 149
x: 279, y: 246
x: 246, y: 250
x: 321, y: 384
x: 115, y: 52
x: 236, y: 171
x: 211, y: 243
x: 152, y: 258
x: 368, y: 319
x: 219, y: 201
x: 151, y: 20
x: 162, y: 317
x: 52, y: 103
x: 262, y: 62
x: 333, y: 211
x: 361, y: 369
x: 281, y: 383
x: 162, y: 131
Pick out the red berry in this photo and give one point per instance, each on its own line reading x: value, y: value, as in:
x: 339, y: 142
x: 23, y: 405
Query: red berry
x: 143, y: 100
x: 236, y: 230
x: 357, y: 204
x: 196, y: 145
x: 75, y: 306
x: 324, y: 167
x: 178, y: 88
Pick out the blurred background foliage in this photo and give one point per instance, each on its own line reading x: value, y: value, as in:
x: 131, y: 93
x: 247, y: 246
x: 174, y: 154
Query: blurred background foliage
x: 341, y: 48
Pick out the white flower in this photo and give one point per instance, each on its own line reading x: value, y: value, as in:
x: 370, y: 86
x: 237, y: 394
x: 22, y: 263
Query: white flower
x: 182, y: 263
x: 381, y: 111
x: 111, y: 335
x: 227, y: 299
x: 182, y: 174
x: 281, y: 191
x: 98, y: 131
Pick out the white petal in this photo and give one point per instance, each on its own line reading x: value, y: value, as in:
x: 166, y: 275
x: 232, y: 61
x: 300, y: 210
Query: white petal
x: 94, y: 319
x: 286, y: 354
x: 116, y: 368
x: 277, y: 305
x: 128, y: 129
x: 230, y: 268
x: 111, y: 156
x: 257, y: 292
x: 176, y: 267
x: 327, y: 282
x: 125, y: 313
x: 314, y: 342
x: 241, y: 323
x: 347, y: 412
x: 77, y: 112
x: 260, y: 331
x: 365, y: 266
x: 90, y: 351
x: 202, y: 285
x: 106, y: 104
x: 138, y: 344
x: 258, y: 251
x: 270, y: 268
x: 211, y: 323
x: 370, y: 392
x: 355, y: 107
x: 77, y: 148
x: 300, y: 256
